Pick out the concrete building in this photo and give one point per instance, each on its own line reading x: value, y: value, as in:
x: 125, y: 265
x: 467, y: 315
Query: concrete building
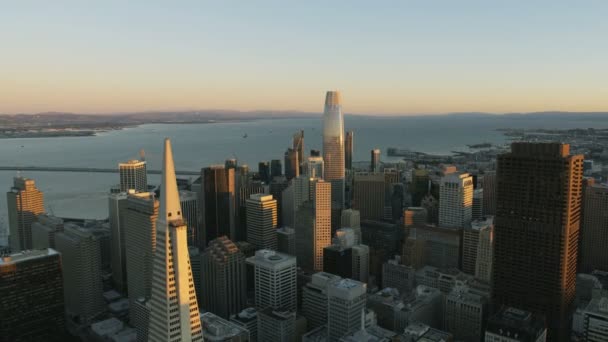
x: 443, y: 279
x: 217, y: 329
x: 456, y: 200
x: 81, y: 262
x: 276, y: 188
x: 485, y: 249
x: 314, y: 298
x: 594, y: 233
x: 361, y: 260
x: 441, y: 245
x: 351, y: 218
x: 219, y: 200
x: 398, y: 276
x: 369, y: 195
x: 174, y: 314
x: 24, y: 202
x: 292, y: 164
x: 346, y: 300
x: 315, y: 167
x: 298, y: 145
x: 133, y: 176
x: 595, y: 319
x: 262, y: 221
x: 414, y: 216
x: 224, y: 278
x: 465, y: 314
x: 470, y: 243
x: 375, y: 160
x: 477, y: 212
x: 248, y: 319
x: 420, y: 332
x: 275, y: 278
x: 139, y: 312
x: 33, y: 277
x: 313, y: 227
x: 140, y: 243
x: 286, y: 240
x: 191, y: 212
x: 348, y: 150
x: 514, y: 325
x: 293, y: 197
x: 117, y: 206
x: 333, y: 146
x: 276, y: 325
x: 44, y: 230
x: 536, y: 231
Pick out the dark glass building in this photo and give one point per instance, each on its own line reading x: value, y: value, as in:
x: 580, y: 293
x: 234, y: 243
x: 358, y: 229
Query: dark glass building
x: 276, y: 169
x: 338, y: 260
x: 219, y: 202
x: 292, y: 164
x: 264, y: 171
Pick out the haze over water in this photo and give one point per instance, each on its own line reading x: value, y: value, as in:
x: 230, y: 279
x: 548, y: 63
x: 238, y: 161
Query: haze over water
x: 84, y: 195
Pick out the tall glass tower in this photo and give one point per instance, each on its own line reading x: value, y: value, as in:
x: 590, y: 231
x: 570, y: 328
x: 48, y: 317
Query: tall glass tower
x: 333, y: 146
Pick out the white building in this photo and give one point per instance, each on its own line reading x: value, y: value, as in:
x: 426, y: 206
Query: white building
x: 456, y: 200
x: 275, y: 279
x: 262, y: 221
x: 346, y: 300
x: 351, y: 218
x: 595, y: 319
x: 133, y: 176
x: 314, y: 298
x: 174, y: 314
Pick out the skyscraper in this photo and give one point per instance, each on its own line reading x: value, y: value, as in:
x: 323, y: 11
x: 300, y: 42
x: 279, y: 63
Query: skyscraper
x: 298, y: 145
x: 351, y: 218
x: 314, y: 298
x: 31, y: 304
x: 224, y: 278
x: 315, y: 167
x: 375, y: 160
x: 333, y: 146
x: 286, y: 240
x: 44, y: 231
x: 471, y: 241
x: 420, y: 185
x: 369, y: 195
x: 594, y: 236
x: 264, y: 171
x: 276, y: 169
x: 275, y: 278
x: 140, y: 243
x: 117, y: 206
x: 276, y: 188
x: 489, y: 193
x: 293, y: 197
x: 133, y: 176
x: 24, y: 202
x: 190, y: 210
x: 485, y: 249
x: 477, y: 211
x: 292, y: 164
x: 174, y: 314
x: 81, y: 262
x: 536, y: 231
x: 346, y: 301
x: 219, y: 202
x: 456, y: 200
x: 348, y: 150
x: 313, y: 226
x: 262, y: 221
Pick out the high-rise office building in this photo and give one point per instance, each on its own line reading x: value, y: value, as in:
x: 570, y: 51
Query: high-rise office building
x: 246, y: 187
x: 219, y: 202
x: 174, y: 314
x: 195, y: 255
x: 298, y: 145
x: 338, y: 260
x: 414, y: 216
x: 348, y: 150
x: 369, y: 195
x: 346, y: 301
x: 313, y: 226
x: 32, y: 302
x: 231, y: 163
x: 420, y: 185
x: 489, y: 193
x: 465, y: 313
x: 117, y: 206
x: 140, y: 243
x: 276, y: 325
x: 224, y: 278
x: 375, y: 160
x: 333, y: 146
x: 81, y: 262
x: 276, y: 188
x: 286, y: 240
x: 292, y: 164
x: 293, y: 197
x: 456, y: 200
x: 191, y: 213
x: 514, y: 325
x: 477, y: 212
x: 276, y: 168
x: 471, y: 236
x: 485, y: 249
x: 398, y: 276
x: 262, y: 221
x: 275, y: 278
x: 315, y: 167
x: 44, y: 230
x: 595, y: 319
x: 594, y: 236
x: 351, y: 218
x: 536, y: 231
x: 133, y: 176
x: 440, y: 246
x: 248, y: 319
x: 314, y: 298
x: 264, y: 171
x: 24, y: 202
x: 361, y: 263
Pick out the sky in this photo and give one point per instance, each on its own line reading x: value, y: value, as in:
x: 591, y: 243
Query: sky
x: 387, y: 57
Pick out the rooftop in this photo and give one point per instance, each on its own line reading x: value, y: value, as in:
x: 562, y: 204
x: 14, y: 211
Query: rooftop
x: 26, y: 255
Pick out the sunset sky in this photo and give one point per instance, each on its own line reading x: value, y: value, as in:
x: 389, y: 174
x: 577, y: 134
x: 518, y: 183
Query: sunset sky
x: 400, y: 57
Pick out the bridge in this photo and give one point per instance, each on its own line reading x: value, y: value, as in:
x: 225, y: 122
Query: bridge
x: 85, y: 170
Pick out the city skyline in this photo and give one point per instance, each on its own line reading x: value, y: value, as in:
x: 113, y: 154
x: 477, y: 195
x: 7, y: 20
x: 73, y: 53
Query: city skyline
x: 407, y: 58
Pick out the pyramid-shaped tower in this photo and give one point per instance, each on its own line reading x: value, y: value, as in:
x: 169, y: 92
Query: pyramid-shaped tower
x: 174, y: 314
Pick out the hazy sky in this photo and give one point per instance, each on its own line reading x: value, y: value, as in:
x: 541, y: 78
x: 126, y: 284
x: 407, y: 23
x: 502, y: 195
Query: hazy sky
x: 401, y: 57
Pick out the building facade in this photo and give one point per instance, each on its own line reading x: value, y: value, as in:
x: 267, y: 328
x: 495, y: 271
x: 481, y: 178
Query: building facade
x: 262, y: 221
x: 333, y: 146
x: 25, y: 202
x: 133, y: 176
